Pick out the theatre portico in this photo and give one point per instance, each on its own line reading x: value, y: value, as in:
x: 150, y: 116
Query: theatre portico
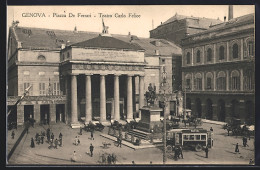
x: 107, y: 68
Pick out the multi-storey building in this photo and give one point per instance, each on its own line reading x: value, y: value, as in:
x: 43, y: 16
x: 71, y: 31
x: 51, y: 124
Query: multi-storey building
x: 218, y: 70
x: 77, y: 75
x: 179, y: 26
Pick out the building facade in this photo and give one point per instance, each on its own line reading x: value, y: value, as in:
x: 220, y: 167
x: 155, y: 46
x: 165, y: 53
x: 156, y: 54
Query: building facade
x: 83, y: 76
x: 218, y: 70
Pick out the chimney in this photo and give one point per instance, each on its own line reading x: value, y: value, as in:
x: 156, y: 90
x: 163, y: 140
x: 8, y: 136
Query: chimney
x: 225, y: 18
x: 161, y: 23
x: 230, y: 12
x: 152, y: 25
x: 129, y: 33
x: 157, y: 52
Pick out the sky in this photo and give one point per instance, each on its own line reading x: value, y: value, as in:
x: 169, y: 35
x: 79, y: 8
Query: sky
x: 137, y: 20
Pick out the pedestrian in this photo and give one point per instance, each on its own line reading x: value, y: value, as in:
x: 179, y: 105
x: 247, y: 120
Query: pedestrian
x: 92, y: 135
x: 211, y: 129
x: 36, y: 136
x: 91, y: 149
x: 32, y: 143
x: 236, y: 149
x: 251, y: 162
x: 113, y: 158
x: 133, y: 162
x: 38, y: 140
x: 74, y: 158
x: 13, y: 134
x: 176, y: 153
x: 43, y: 133
x: 60, y: 139
x: 109, y: 159
x: 52, y: 137
x: 50, y: 145
x: 80, y: 131
x: 207, y: 151
x: 48, y: 134
x: 56, y: 143
x: 76, y: 140
x: 42, y: 139
x: 246, y: 141
x: 180, y: 150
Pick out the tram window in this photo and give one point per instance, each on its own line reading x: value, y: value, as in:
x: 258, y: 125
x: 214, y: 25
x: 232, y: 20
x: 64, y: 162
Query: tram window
x: 191, y: 137
x: 185, y: 137
x: 203, y: 137
x: 197, y: 137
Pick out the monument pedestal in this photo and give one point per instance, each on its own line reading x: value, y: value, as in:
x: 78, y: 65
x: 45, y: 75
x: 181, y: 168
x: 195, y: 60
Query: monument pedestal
x: 150, y: 117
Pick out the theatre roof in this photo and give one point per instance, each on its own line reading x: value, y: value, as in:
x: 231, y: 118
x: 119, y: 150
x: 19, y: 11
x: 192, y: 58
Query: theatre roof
x: 52, y: 39
x: 107, y: 42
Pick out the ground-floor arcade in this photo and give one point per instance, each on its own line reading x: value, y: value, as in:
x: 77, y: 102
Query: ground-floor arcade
x: 222, y: 107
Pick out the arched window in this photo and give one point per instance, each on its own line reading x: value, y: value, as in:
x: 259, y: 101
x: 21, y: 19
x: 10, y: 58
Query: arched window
x: 235, y: 80
x: 248, y: 80
x: 41, y: 57
x: 221, y: 81
x: 209, y: 54
x: 221, y: 53
x: 188, y: 57
x: 251, y: 49
x: 188, y: 81
x: 209, y: 79
x: 198, y: 56
x: 198, y: 82
x: 235, y: 51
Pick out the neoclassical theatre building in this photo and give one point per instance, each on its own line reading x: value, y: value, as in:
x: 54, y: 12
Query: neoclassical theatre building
x: 218, y: 70
x: 84, y: 76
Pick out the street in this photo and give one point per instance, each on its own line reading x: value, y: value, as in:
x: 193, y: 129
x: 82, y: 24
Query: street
x: 223, y: 151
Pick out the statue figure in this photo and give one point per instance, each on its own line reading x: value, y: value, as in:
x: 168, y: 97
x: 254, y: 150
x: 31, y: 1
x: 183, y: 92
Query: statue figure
x: 150, y: 94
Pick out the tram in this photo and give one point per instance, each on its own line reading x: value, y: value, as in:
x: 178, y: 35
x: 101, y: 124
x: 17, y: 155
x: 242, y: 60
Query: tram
x: 188, y: 138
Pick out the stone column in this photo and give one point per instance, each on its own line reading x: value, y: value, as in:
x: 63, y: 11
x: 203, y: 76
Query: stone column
x: 102, y: 98
x: 214, y: 80
x: 52, y: 113
x: 67, y: 99
x: 88, y: 105
x: 37, y: 116
x: 227, y: 80
x: 214, y: 53
x: 192, y: 82
x: 129, y: 98
x: 116, y: 98
x: 203, y: 81
x: 141, y: 93
x: 228, y: 51
x: 20, y: 114
x: 192, y: 56
x: 241, y: 80
x: 242, y: 49
x: 74, y: 100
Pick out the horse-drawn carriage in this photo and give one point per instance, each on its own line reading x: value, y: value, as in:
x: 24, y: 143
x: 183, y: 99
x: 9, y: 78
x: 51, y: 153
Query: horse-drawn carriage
x: 91, y: 127
x: 237, y: 129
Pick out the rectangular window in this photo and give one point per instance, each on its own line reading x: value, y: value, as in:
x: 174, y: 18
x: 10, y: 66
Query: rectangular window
x: 203, y: 137
x: 197, y: 137
x: 56, y: 88
x: 42, y: 88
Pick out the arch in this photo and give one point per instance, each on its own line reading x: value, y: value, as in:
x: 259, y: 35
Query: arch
x: 221, y: 74
x: 221, y: 110
x: 250, y: 112
x: 198, y: 81
x: 250, y: 46
x: 188, y: 58
x: 188, y: 103
x: 42, y: 58
x: 198, y: 106
x: 188, y: 81
x: 235, y: 50
x: 209, y: 54
x: 248, y: 79
x: 221, y: 52
x: 234, y: 73
x: 235, y: 109
x: 198, y: 75
x: 209, y: 109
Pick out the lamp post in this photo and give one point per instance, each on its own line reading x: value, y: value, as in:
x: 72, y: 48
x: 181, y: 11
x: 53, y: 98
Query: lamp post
x: 164, y: 87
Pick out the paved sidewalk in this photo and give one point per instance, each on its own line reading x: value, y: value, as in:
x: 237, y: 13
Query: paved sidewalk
x: 213, y: 122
